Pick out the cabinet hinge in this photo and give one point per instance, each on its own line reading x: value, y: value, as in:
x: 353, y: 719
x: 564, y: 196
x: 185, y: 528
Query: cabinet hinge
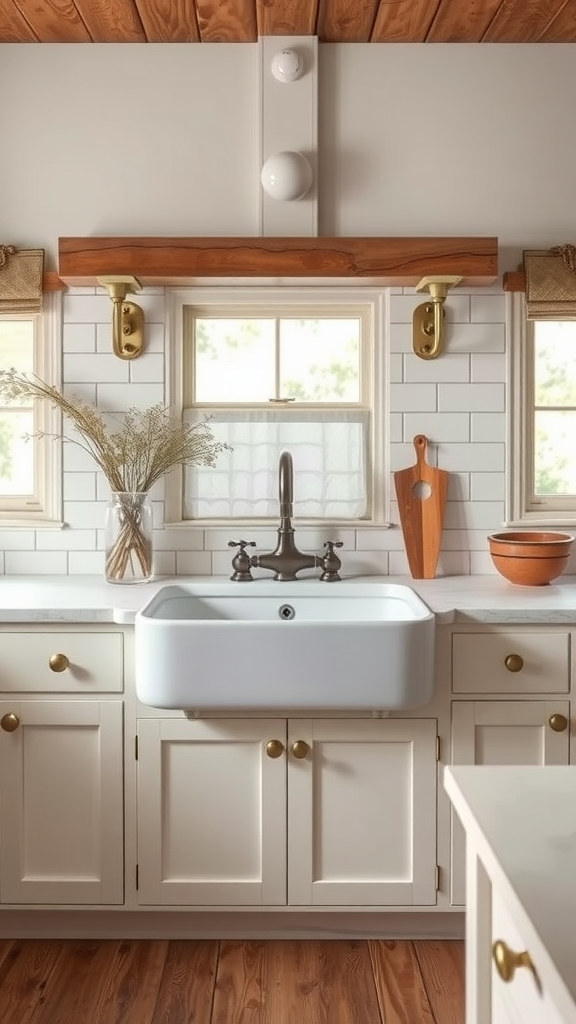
x: 437, y: 748
x: 136, y: 747
x: 137, y: 875
x: 437, y: 877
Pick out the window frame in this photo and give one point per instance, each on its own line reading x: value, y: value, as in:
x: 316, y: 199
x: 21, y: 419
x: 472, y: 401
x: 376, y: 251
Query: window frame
x: 47, y: 363
x: 523, y: 509
x: 285, y: 296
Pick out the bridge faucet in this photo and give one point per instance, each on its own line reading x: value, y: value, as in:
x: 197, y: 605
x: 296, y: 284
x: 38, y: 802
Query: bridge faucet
x: 286, y: 561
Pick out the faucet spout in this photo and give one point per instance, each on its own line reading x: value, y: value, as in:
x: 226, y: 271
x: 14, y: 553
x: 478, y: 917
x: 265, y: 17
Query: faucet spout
x: 286, y: 485
x: 286, y: 560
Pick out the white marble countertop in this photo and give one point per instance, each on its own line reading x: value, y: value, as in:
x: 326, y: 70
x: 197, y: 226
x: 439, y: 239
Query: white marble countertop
x: 474, y: 599
x: 522, y: 824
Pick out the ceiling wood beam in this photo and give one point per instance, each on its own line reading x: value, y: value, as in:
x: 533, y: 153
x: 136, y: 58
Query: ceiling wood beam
x: 522, y: 21
x: 462, y: 21
x: 384, y: 261
x: 169, y: 21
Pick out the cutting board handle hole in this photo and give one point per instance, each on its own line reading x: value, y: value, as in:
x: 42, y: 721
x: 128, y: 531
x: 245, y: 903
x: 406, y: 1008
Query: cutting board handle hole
x: 421, y: 490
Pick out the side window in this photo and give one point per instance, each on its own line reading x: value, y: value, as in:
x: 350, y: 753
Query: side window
x: 543, y: 462
x: 29, y: 458
x: 297, y: 370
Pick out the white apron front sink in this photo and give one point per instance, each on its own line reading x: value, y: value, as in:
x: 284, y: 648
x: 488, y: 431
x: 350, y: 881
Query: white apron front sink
x: 290, y: 646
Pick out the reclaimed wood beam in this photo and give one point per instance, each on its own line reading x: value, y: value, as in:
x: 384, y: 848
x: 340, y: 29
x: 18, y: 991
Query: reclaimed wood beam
x: 384, y: 261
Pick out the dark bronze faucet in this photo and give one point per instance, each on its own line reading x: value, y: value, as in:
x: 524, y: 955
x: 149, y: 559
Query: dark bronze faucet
x: 286, y: 561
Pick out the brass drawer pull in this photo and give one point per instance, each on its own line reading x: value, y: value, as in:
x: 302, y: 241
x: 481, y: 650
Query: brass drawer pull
x: 514, y: 662
x: 300, y: 749
x: 10, y: 722
x: 58, y: 662
x: 507, y: 961
x: 559, y: 723
x: 274, y: 748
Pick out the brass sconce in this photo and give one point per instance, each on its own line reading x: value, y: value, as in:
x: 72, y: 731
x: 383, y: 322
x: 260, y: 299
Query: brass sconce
x: 127, y: 317
x: 428, y: 318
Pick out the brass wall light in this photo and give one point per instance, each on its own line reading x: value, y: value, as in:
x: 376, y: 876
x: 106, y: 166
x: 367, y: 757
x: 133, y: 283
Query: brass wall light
x: 127, y: 317
x: 428, y: 318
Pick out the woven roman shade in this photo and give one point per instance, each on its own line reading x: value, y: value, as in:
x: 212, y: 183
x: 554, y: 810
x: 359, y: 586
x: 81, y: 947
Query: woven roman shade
x: 550, y: 283
x: 21, y: 272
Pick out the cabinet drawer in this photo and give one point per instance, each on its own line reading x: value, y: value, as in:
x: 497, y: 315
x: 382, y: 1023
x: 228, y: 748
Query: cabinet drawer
x: 90, y: 662
x: 511, y: 662
x: 524, y: 998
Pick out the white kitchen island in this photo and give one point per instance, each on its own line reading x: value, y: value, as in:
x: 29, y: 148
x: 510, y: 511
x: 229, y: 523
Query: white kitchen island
x: 520, y: 825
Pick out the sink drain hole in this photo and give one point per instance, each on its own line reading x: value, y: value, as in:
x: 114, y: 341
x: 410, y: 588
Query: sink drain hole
x: 286, y: 611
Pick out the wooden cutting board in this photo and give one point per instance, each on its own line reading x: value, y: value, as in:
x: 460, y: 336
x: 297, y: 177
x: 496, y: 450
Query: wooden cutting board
x: 421, y: 494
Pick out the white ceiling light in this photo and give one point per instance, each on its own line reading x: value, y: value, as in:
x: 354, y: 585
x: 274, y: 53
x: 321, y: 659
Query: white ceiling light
x: 287, y: 176
x: 287, y: 66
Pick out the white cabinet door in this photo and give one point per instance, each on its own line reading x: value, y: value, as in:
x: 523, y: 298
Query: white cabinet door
x: 61, y: 802
x: 362, y: 812
x: 211, y: 812
x: 502, y: 732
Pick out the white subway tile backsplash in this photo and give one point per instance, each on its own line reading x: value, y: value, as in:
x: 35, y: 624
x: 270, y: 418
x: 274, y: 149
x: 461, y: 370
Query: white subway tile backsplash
x: 457, y: 401
x: 488, y: 309
x: 481, y: 458
x: 78, y: 338
x: 401, y: 338
x: 84, y: 515
x: 487, y: 427
x: 481, y: 564
x: 179, y: 540
x: 396, y: 368
x: 86, y: 563
x: 471, y: 397
x: 487, y: 487
x: 458, y: 485
x: 488, y: 367
x: 148, y: 368
x: 194, y: 563
x: 164, y: 563
x: 453, y: 563
x: 87, y: 309
x: 97, y: 368
x: 440, y: 426
x: 477, y: 515
x: 66, y: 540
x: 412, y: 397
x: 118, y: 397
x: 17, y: 540
x: 36, y: 563
x: 476, y: 338
x: 79, y: 486
x: 447, y: 368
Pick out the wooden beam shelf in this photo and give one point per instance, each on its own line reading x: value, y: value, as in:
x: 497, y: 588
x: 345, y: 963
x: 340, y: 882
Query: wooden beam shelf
x: 514, y: 281
x: 369, y: 260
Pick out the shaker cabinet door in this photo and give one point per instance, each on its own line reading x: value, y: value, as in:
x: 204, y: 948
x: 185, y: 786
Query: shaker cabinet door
x: 212, y: 812
x: 61, y: 802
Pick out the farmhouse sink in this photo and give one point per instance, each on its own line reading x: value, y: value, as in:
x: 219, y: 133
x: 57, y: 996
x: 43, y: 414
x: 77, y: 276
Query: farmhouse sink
x: 290, y: 646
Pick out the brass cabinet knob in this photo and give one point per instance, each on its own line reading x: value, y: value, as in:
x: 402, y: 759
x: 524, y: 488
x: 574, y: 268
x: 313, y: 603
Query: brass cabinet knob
x: 9, y: 722
x: 507, y: 961
x: 58, y: 662
x: 514, y: 662
x: 274, y: 748
x: 300, y: 749
x: 559, y: 723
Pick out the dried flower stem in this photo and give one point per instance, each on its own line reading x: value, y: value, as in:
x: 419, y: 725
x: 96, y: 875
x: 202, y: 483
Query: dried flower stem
x: 146, y: 444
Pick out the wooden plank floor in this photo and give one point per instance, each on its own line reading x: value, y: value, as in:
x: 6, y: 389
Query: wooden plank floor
x: 229, y: 982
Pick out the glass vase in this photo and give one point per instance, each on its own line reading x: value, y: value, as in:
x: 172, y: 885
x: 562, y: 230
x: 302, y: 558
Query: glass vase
x: 128, y: 537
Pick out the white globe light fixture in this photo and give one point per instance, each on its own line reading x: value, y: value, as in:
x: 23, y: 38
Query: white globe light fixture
x: 287, y: 66
x: 287, y: 176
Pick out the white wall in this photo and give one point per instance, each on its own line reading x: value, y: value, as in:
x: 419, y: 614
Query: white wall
x: 442, y: 140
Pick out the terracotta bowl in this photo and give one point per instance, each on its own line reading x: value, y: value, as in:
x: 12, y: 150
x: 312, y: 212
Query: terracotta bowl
x: 530, y: 559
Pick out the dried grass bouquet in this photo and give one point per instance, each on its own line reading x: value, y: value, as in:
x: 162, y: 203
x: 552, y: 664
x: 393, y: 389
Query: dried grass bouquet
x: 136, y: 452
